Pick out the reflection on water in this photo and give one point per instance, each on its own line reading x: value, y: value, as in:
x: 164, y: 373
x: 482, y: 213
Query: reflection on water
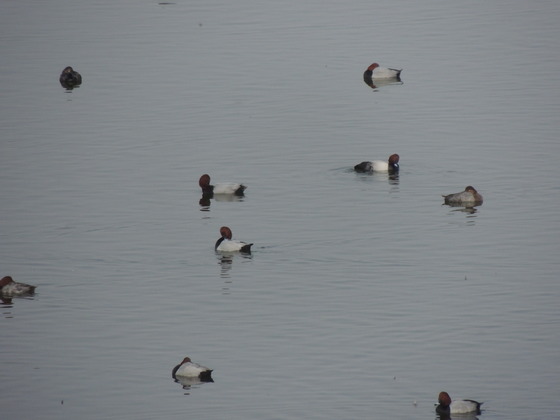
x: 376, y: 84
x: 469, y: 210
x: 226, y: 261
x: 206, y: 200
x: 191, y: 383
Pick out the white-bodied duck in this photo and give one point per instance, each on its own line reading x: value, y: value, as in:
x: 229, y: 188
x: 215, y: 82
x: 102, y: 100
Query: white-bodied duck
x: 447, y: 407
x: 227, y: 244
x: 188, y: 369
x: 390, y: 166
x: 222, y: 188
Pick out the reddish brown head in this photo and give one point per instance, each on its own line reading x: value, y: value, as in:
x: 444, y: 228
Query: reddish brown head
x: 373, y: 67
x: 186, y: 360
x: 444, y: 399
x: 226, y: 232
x: 204, y: 181
x: 6, y: 280
x: 394, y: 159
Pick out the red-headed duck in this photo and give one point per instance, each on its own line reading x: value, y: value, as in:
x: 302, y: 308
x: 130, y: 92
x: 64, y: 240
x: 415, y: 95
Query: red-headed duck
x: 446, y: 406
x: 376, y: 72
x: 188, y: 369
x: 226, y: 244
x: 469, y: 197
x: 223, y: 188
x: 70, y: 78
x: 391, y: 166
x: 8, y: 287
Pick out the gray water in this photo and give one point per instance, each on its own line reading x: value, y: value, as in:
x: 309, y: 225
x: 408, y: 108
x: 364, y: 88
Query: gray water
x: 364, y: 296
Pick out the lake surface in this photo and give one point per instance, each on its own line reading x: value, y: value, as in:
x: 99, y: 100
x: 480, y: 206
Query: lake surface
x: 364, y: 296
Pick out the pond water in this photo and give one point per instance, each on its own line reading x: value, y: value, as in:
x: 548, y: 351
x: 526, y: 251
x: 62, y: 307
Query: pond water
x: 364, y: 295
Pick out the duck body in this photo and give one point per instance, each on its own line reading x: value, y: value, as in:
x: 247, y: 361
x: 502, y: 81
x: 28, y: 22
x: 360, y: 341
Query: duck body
x: 188, y: 369
x: 390, y: 166
x: 446, y: 406
x: 8, y: 287
x: 374, y: 71
x: 230, y: 188
x: 469, y: 197
x: 227, y: 244
x: 70, y: 78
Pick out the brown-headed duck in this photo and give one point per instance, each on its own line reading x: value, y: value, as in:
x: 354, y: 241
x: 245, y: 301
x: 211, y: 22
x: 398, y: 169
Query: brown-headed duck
x: 227, y: 244
x: 8, y: 287
x: 391, y: 166
x: 446, y: 407
x: 222, y: 188
x: 188, y: 369
x: 469, y: 197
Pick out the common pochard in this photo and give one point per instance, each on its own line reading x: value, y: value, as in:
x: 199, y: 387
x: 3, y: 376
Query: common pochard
x: 221, y: 188
x: 390, y: 166
x: 227, y: 244
x: 188, y: 369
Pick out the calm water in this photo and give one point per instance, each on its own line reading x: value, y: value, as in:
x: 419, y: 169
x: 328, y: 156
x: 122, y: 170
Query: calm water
x: 364, y: 296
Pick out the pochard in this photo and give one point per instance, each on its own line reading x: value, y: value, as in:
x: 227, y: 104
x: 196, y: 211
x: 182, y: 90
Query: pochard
x: 227, y: 244
x: 446, y: 406
x: 374, y: 71
x: 390, y: 166
x: 222, y: 188
x: 188, y: 369
x: 469, y: 197
x: 8, y: 287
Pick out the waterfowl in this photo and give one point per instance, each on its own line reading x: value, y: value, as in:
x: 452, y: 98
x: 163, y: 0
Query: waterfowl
x: 223, y: 188
x: 446, y: 406
x: 70, y: 78
x: 8, y: 287
x: 376, y: 72
x: 188, y: 369
x: 226, y: 244
x: 469, y: 197
x: 391, y: 166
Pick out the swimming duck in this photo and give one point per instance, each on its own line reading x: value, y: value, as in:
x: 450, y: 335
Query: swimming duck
x: 226, y: 244
x: 469, y: 197
x: 376, y: 72
x: 189, y: 369
x: 391, y: 166
x: 446, y: 406
x: 69, y: 78
x: 8, y: 287
x: 224, y: 188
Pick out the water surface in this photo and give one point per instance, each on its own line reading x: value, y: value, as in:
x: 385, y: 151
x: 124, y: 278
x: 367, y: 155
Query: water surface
x: 364, y: 296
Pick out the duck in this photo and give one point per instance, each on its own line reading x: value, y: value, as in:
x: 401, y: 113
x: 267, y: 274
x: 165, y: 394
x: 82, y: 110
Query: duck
x: 226, y: 244
x: 376, y: 72
x: 469, y: 197
x: 70, y: 78
x: 8, y: 287
x: 446, y: 407
x: 391, y: 166
x: 224, y: 188
x: 188, y: 369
